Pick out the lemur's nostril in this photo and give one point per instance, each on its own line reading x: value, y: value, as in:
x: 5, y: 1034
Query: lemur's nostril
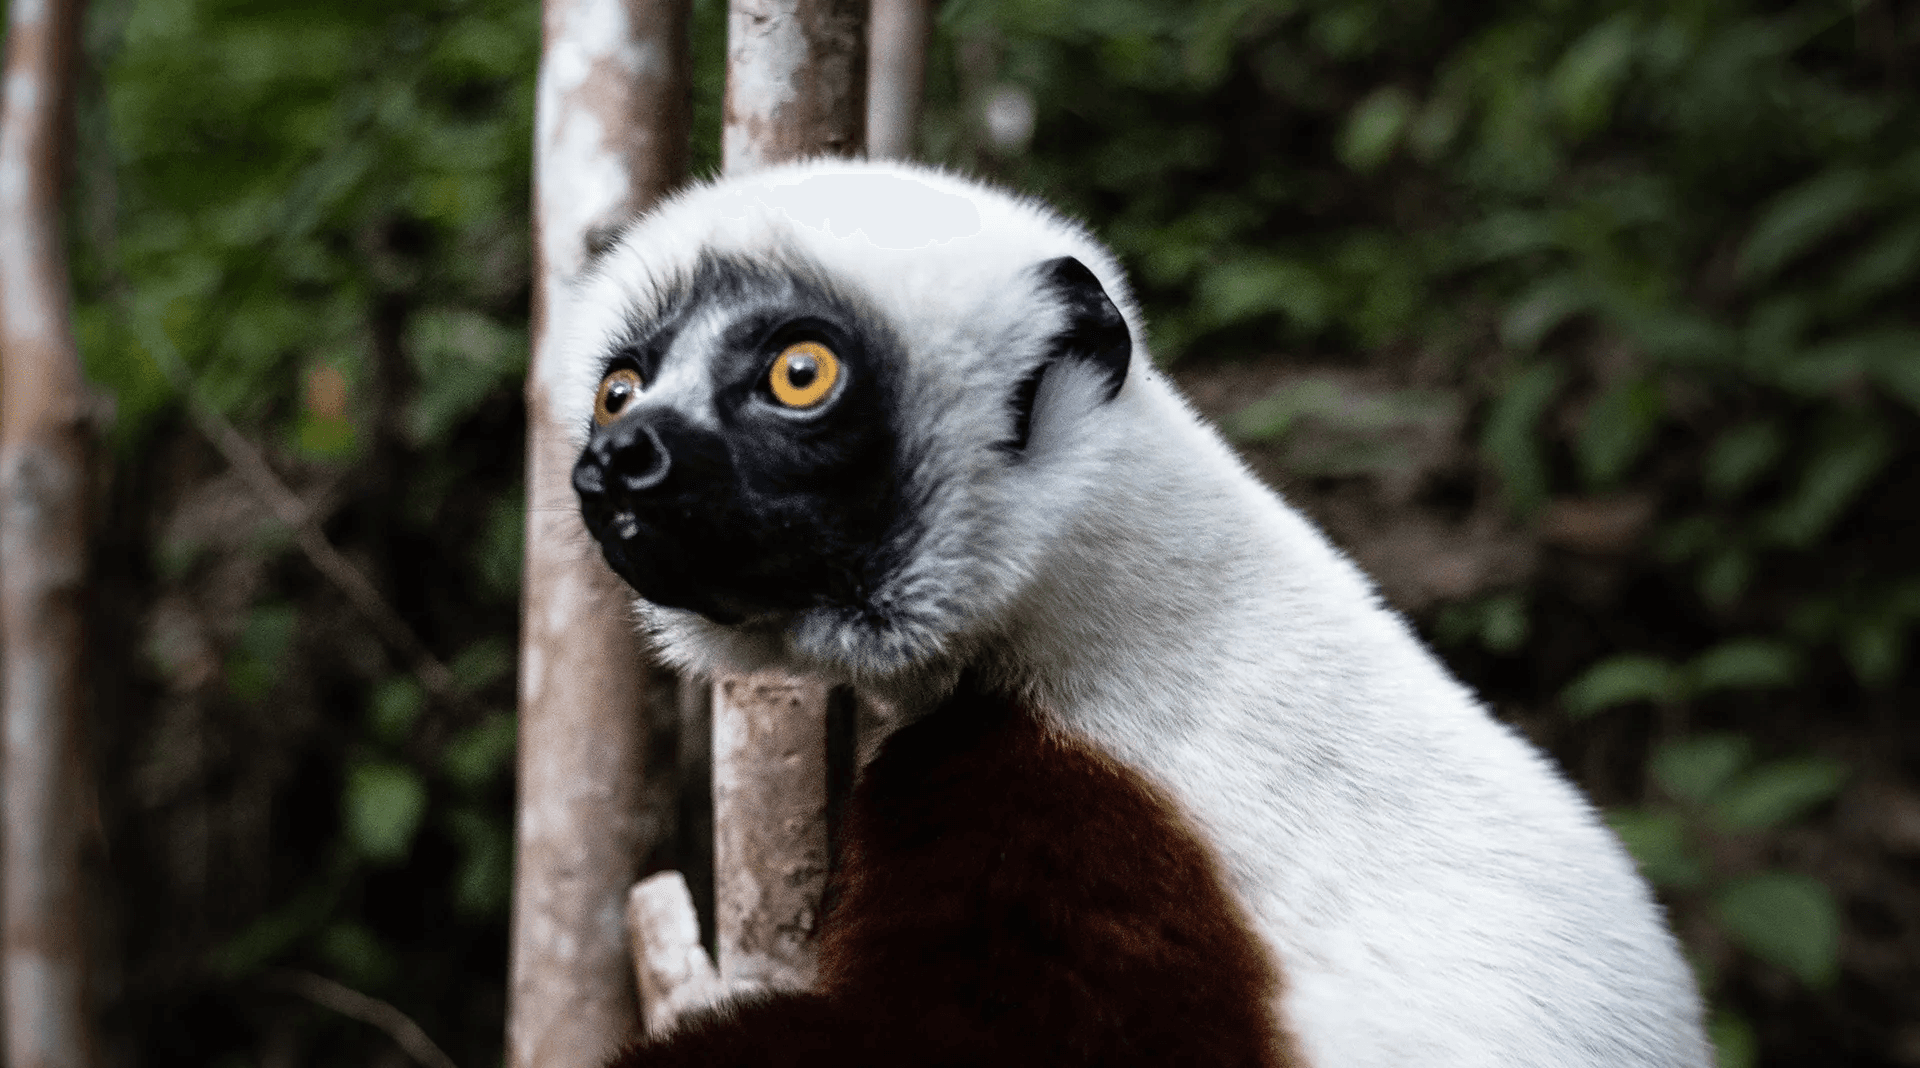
x: 587, y: 481
x: 635, y: 456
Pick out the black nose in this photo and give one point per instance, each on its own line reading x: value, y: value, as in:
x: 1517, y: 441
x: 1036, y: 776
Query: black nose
x: 629, y: 453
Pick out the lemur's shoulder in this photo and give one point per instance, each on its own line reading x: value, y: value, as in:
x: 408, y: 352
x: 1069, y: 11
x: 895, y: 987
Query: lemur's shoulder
x: 1009, y: 896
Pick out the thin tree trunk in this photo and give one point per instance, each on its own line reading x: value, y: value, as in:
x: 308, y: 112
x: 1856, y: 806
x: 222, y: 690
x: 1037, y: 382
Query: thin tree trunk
x: 611, y: 137
x: 898, y: 75
x: 796, y: 81
x: 44, y: 438
x: 796, y: 87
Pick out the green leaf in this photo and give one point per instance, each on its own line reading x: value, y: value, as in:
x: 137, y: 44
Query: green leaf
x: 1657, y: 838
x: 462, y: 357
x: 396, y: 706
x: 1734, y: 1044
x: 1876, y: 650
x: 479, y: 754
x: 1887, y: 356
x: 1778, y: 792
x: 485, y: 875
x: 1887, y: 263
x: 358, y: 955
x: 1849, y: 457
x: 1740, y: 456
x: 1622, y: 680
x: 1273, y: 417
x: 1801, y: 218
x: 1242, y: 288
x: 498, y: 550
x: 384, y: 803
x: 1618, y: 428
x: 1584, y: 82
x: 1509, y: 439
x: 1787, y: 920
x: 1374, y: 129
x: 1503, y: 623
x: 481, y: 664
x: 259, y: 656
x: 1541, y: 310
x: 1724, y: 575
x: 1692, y: 769
x: 1748, y: 664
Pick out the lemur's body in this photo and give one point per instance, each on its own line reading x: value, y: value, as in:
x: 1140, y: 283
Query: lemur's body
x: 995, y: 480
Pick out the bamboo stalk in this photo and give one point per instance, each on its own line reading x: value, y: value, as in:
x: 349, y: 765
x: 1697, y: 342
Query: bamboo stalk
x: 45, y: 435
x: 611, y: 137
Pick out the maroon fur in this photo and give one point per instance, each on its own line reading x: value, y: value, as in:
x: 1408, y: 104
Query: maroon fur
x: 1009, y: 897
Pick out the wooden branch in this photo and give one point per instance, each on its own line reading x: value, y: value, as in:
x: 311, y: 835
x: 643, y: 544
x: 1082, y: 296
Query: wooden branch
x: 796, y: 81
x: 897, y: 75
x: 770, y: 827
x: 409, y: 1036
x: 796, y: 87
x: 45, y: 435
x: 671, y: 967
x: 611, y: 132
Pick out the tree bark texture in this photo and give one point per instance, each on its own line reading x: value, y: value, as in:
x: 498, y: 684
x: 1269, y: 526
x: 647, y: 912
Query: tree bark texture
x: 897, y: 75
x: 44, y: 437
x: 611, y: 134
x: 796, y: 81
x: 796, y: 87
x: 770, y: 848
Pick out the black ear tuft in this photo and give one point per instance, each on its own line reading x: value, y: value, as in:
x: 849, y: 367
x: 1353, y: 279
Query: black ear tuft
x: 1094, y: 332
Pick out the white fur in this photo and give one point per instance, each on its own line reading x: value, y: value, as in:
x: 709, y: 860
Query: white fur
x: 1434, y: 892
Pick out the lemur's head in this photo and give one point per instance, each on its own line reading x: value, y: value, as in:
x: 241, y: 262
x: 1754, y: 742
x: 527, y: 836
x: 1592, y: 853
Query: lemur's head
x: 833, y: 414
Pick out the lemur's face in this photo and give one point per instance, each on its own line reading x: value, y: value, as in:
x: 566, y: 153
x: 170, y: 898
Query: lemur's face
x: 742, y: 463
x: 836, y: 440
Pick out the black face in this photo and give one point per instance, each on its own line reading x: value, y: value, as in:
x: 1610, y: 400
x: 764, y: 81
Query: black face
x: 791, y: 500
x: 786, y: 504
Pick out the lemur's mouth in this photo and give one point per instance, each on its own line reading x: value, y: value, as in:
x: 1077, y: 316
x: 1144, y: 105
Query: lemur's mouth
x: 677, y: 522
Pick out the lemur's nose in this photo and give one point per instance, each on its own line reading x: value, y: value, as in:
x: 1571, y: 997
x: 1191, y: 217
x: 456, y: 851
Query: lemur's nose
x: 629, y: 452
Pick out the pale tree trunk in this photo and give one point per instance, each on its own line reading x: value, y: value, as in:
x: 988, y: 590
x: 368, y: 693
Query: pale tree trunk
x: 796, y: 87
x: 611, y: 138
x: 897, y: 50
x: 44, y: 437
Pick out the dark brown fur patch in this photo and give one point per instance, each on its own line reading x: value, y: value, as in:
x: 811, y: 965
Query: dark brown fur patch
x: 1008, y: 897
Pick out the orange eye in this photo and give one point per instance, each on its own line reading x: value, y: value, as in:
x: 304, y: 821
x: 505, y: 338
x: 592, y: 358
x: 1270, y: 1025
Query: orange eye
x: 617, y: 391
x: 803, y: 374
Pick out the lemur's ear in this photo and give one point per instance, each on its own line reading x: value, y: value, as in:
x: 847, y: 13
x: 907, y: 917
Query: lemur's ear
x: 1094, y: 332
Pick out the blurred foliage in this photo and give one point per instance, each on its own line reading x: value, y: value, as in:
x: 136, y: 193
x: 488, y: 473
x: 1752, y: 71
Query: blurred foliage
x: 1668, y: 251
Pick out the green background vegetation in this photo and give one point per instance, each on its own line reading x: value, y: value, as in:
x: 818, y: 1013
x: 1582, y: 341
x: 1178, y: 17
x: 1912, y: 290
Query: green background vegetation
x: 1648, y: 261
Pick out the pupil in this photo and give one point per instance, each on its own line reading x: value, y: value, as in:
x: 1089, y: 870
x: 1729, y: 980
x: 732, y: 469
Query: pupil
x: 616, y: 398
x: 801, y: 371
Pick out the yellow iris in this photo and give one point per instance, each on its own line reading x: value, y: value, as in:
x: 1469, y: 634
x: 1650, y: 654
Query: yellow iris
x: 803, y: 374
x: 617, y: 390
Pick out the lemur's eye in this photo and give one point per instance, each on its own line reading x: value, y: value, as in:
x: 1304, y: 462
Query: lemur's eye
x: 803, y: 374
x: 617, y: 390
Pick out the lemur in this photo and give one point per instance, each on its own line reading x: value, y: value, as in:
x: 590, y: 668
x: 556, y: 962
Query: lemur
x: 1179, y: 788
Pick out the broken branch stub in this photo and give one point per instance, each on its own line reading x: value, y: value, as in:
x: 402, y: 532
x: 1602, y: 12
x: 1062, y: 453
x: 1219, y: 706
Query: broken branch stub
x: 672, y: 968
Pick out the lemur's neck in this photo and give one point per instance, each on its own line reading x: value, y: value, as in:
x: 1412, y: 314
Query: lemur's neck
x: 1189, y: 587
